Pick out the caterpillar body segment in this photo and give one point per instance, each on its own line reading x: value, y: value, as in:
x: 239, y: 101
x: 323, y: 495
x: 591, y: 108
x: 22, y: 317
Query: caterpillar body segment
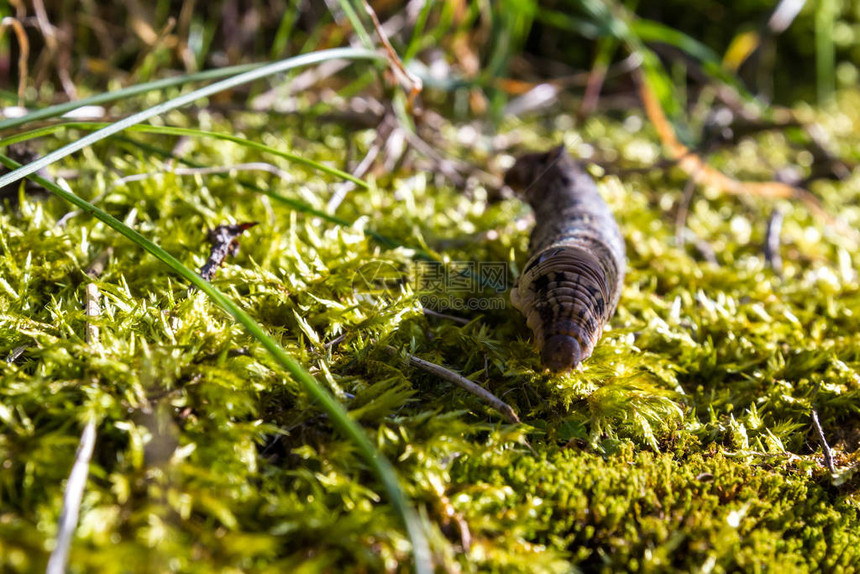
x: 571, y: 284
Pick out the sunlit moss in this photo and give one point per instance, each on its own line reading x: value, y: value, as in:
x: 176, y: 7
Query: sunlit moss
x: 684, y: 442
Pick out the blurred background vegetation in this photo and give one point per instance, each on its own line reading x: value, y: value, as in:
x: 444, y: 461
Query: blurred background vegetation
x: 782, y: 51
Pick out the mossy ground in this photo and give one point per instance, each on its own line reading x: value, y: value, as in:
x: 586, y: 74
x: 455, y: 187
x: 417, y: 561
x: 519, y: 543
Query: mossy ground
x: 685, y: 442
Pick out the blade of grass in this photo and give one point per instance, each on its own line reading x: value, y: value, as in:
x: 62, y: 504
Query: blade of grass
x: 563, y: 20
x: 285, y: 29
x: 417, y: 37
x: 113, y: 96
x: 355, y: 20
x: 651, y: 31
x: 825, y: 51
x: 229, y: 83
x: 382, y: 468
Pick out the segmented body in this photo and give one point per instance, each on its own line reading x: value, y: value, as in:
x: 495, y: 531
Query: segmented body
x: 571, y: 284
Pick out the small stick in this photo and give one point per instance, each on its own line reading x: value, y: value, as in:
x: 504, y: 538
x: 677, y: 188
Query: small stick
x: 72, y: 500
x: 15, y: 353
x: 55, y: 51
x: 92, y: 295
x: 828, y: 454
x: 336, y: 341
x: 394, y: 59
x: 225, y: 241
x: 438, y: 315
x: 98, y: 264
x: 347, y: 186
x: 703, y: 247
x: 91, y: 304
x: 683, y: 210
x: 502, y: 407
x: 772, y: 241
x: 23, y: 53
x: 448, y: 167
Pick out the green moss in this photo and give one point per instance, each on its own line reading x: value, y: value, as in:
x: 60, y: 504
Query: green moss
x: 685, y: 442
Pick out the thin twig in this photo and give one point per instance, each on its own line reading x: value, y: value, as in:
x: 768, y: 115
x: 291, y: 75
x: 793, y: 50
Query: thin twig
x: 91, y: 302
x: 394, y: 59
x: 336, y: 341
x: 703, y: 247
x: 49, y: 32
x: 92, y: 295
x: 23, y: 53
x: 772, y: 241
x: 683, y: 210
x: 502, y: 407
x: 828, y: 455
x: 98, y: 264
x: 72, y: 500
x: 461, y: 320
x: 450, y: 168
x: 15, y: 353
x: 362, y: 168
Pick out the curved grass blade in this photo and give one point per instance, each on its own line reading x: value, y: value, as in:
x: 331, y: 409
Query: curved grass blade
x: 825, y: 51
x: 651, y: 31
x: 243, y: 78
x: 337, y: 413
x: 356, y: 23
x: 107, y: 97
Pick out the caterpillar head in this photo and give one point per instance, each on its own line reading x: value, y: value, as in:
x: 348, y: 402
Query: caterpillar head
x: 531, y: 170
x: 560, y: 353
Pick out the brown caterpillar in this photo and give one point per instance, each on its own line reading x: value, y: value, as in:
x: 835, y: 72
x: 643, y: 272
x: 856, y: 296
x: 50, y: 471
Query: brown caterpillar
x: 571, y: 284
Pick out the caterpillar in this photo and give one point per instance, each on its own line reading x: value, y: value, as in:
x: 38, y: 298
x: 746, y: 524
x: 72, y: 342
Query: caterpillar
x: 571, y: 284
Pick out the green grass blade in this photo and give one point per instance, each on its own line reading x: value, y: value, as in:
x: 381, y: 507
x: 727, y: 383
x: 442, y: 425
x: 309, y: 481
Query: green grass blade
x: 563, y: 20
x: 825, y: 50
x: 229, y: 83
x: 355, y: 20
x: 337, y: 413
x: 415, y: 42
x: 107, y: 97
x: 651, y: 31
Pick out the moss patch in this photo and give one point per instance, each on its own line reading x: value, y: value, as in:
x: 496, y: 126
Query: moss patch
x: 684, y: 442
